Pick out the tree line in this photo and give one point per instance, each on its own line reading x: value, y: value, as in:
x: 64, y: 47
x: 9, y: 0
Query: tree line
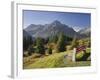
x: 39, y: 45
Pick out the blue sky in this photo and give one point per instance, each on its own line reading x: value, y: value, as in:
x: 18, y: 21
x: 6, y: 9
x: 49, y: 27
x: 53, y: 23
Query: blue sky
x: 75, y: 20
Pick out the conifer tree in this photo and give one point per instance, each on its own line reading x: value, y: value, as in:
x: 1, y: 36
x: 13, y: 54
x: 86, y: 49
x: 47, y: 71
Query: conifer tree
x: 61, y: 43
x: 40, y: 46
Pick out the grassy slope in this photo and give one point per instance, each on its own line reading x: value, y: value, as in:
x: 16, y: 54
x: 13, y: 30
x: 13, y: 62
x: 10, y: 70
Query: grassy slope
x: 55, y: 60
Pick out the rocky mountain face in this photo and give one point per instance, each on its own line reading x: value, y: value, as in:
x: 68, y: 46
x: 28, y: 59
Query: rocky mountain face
x: 85, y: 31
x: 52, y: 29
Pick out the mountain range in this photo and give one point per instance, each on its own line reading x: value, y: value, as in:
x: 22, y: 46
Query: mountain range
x: 54, y: 28
x: 85, y: 31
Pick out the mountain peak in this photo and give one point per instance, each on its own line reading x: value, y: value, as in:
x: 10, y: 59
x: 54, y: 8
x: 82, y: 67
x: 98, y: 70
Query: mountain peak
x: 56, y: 22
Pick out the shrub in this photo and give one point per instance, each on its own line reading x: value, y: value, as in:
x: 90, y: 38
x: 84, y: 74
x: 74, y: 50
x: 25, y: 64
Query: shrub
x: 84, y: 55
x: 80, y: 55
x: 87, y: 54
x: 88, y: 50
x: 80, y: 43
x: 87, y: 42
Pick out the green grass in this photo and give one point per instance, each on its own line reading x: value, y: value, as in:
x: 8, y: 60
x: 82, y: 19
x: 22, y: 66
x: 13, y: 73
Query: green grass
x: 78, y: 64
x: 54, y: 61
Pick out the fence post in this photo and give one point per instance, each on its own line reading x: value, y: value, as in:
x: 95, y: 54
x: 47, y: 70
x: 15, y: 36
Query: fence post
x: 73, y: 55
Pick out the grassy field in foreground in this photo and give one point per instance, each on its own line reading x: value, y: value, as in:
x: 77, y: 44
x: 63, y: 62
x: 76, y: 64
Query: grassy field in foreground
x: 54, y: 61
